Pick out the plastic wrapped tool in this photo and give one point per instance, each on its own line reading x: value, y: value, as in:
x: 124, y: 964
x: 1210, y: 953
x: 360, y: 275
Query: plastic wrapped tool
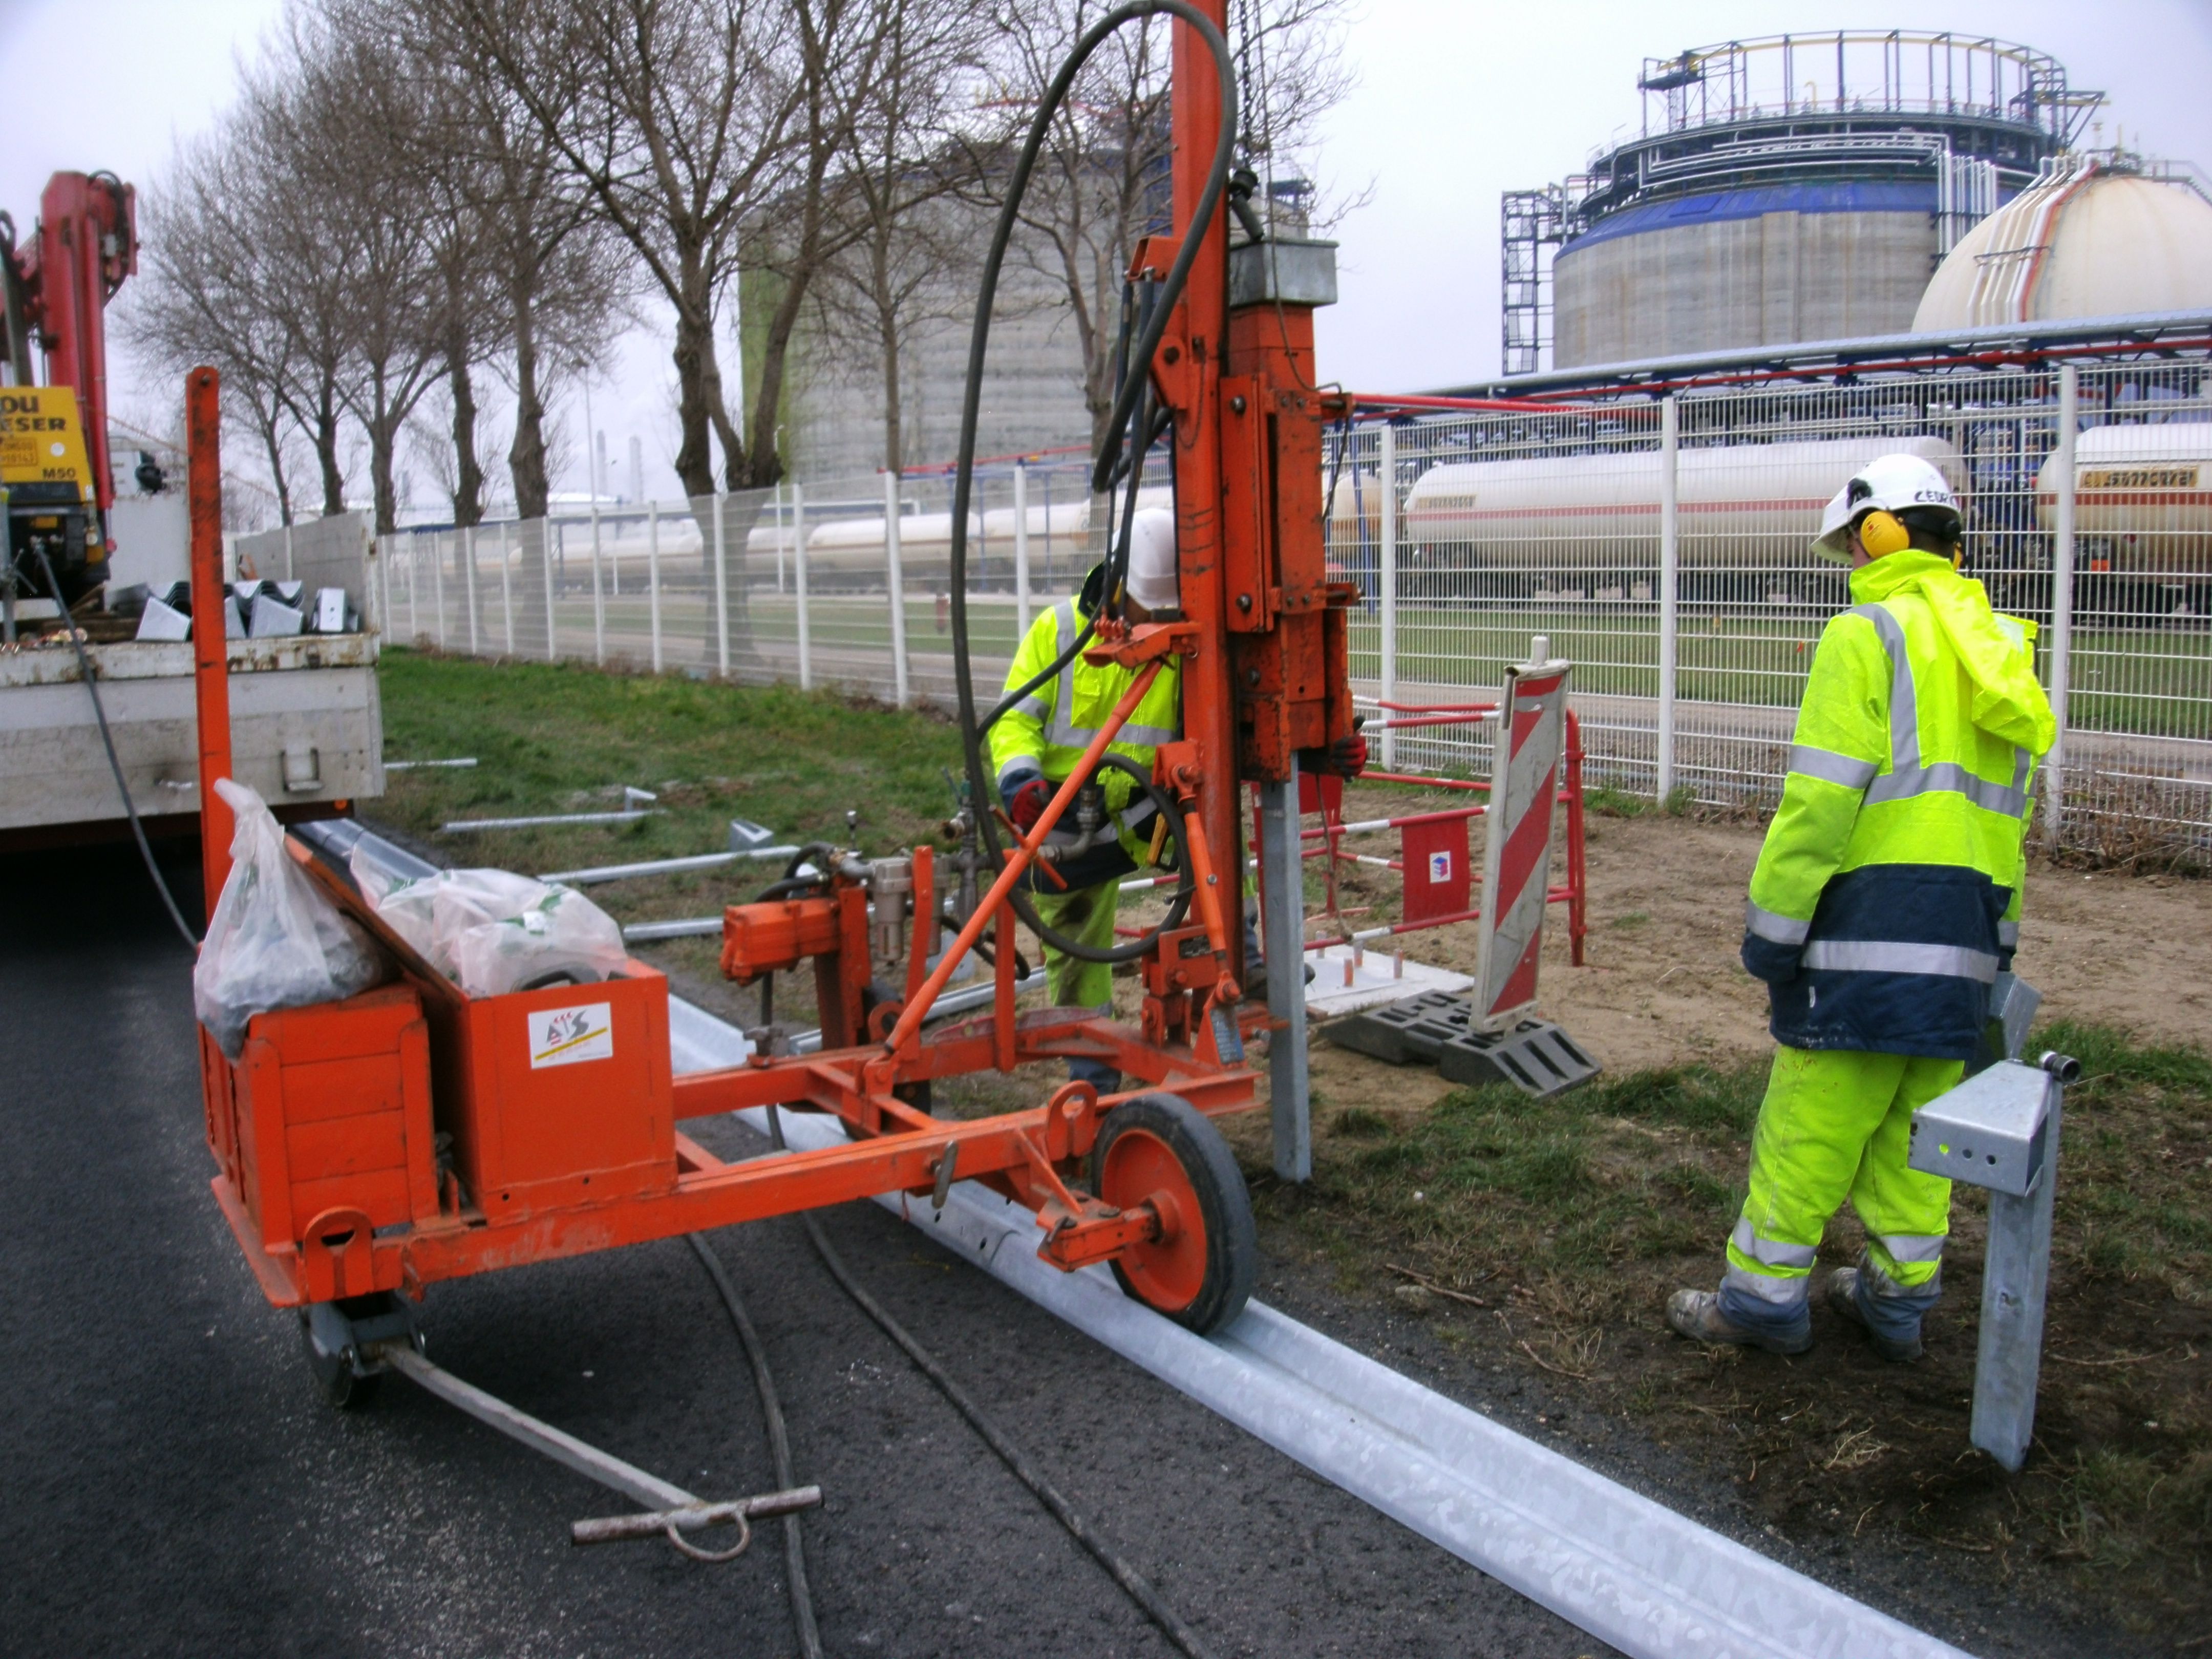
x: 492, y: 932
x: 274, y: 941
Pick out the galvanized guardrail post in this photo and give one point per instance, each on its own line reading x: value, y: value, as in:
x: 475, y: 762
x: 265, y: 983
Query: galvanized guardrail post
x: 2000, y: 1129
x: 1283, y: 892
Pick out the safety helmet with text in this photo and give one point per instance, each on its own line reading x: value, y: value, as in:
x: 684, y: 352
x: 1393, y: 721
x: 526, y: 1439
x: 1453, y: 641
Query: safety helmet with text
x: 1879, y: 504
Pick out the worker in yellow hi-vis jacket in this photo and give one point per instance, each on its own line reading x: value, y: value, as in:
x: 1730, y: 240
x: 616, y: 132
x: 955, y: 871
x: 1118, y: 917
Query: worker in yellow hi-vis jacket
x: 1038, y: 742
x: 1886, y: 901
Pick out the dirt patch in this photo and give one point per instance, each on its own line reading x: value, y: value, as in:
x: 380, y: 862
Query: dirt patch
x: 1662, y: 985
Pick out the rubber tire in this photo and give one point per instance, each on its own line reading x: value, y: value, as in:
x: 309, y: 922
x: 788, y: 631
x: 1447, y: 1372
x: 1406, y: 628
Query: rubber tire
x: 1232, y: 1254
x: 340, y: 1386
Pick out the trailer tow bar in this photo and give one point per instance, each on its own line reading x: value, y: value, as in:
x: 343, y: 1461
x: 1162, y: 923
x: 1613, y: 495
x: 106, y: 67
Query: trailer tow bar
x: 671, y: 1511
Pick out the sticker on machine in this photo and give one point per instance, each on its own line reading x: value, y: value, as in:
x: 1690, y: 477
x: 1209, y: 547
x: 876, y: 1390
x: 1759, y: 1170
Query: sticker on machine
x: 568, y: 1037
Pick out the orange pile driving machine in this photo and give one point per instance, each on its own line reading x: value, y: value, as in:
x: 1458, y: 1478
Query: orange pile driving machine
x: 371, y: 1147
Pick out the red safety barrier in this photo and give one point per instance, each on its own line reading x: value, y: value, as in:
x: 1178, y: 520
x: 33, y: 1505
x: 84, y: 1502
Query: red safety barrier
x: 1434, y: 855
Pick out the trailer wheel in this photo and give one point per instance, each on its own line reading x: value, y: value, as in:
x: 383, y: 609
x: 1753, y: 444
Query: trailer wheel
x: 1161, y: 1148
x: 345, y: 1388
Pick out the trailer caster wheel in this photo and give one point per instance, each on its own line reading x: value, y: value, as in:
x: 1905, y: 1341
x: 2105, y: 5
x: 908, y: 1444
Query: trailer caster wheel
x: 337, y: 1335
x: 1162, y: 1148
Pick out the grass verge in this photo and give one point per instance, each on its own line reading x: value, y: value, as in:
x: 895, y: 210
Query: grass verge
x: 1544, y: 1235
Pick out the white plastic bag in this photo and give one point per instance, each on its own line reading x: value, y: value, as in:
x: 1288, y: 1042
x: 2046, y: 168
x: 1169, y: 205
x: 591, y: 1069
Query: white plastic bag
x: 494, y: 932
x: 274, y: 941
x: 561, y: 936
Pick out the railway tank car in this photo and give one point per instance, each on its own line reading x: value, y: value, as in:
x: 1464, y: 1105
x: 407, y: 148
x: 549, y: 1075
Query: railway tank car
x: 1586, y: 527
x: 2143, y: 514
x: 849, y: 554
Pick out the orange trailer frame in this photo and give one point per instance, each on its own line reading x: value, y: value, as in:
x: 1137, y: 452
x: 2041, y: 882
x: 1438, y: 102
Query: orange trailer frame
x: 414, y: 1134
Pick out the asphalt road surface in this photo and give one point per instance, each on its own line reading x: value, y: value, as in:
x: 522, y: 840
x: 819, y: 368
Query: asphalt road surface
x: 175, y: 1485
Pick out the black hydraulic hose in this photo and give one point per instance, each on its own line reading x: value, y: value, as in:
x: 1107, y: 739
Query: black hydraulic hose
x: 779, y: 1446
x: 107, y: 742
x: 1135, y: 1584
x: 1135, y: 382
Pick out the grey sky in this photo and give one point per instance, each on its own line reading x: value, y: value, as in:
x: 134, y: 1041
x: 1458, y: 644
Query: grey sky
x: 1457, y: 101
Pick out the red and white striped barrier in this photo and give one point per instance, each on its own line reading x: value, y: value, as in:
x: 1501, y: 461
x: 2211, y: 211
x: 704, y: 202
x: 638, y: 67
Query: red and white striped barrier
x: 1525, y: 776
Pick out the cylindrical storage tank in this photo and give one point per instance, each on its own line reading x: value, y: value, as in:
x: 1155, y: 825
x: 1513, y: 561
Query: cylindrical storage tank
x: 1812, y: 260
x: 1588, y: 525
x: 1788, y: 189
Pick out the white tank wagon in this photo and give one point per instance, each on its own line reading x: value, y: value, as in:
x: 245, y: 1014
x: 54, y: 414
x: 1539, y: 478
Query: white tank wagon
x: 1586, y: 526
x: 848, y: 553
x: 2143, y: 504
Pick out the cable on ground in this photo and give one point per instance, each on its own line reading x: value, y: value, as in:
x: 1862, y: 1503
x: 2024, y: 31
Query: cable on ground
x: 1137, y: 1587
x: 779, y: 1446
x: 1128, y: 407
x: 107, y: 742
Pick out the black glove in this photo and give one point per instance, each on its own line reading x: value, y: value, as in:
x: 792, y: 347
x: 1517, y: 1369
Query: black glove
x: 1345, y: 758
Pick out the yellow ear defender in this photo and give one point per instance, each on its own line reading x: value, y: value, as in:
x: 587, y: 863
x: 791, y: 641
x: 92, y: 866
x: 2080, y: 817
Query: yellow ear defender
x: 1882, y: 533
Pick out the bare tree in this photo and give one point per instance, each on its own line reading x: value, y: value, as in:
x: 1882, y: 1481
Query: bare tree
x: 910, y: 155
x: 674, y: 116
x: 199, y: 298
x: 1103, y: 177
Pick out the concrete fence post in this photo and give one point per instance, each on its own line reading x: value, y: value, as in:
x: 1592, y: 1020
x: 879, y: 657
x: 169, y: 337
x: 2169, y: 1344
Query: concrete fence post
x: 1021, y: 549
x: 506, y: 586
x: 290, y: 573
x: 798, y: 585
x: 652, y: 577
x: 466, y: 568
x: 438, y: 583
x: 414, y: 573
x: 721, y: 595
x: 599, y: 597
x: 895, y: 580
x: 555, y: 546
x: 1670, y: 570
x: 779, y: 541
x: 1387, y: 585
x: 2061, y: 598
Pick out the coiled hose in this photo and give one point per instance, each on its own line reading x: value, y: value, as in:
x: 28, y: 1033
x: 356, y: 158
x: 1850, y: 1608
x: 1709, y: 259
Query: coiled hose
x: 1130, y: 411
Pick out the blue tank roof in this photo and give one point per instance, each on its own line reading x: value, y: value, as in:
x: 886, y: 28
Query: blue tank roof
x: 1842, y: 196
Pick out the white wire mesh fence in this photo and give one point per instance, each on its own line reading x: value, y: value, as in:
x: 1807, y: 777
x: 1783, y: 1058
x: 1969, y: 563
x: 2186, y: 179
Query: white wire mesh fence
x: 1663, y: 546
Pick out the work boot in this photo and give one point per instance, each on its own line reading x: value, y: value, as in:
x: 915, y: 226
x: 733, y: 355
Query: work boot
x: 1697, y: 1315
x: 1843, y: 1294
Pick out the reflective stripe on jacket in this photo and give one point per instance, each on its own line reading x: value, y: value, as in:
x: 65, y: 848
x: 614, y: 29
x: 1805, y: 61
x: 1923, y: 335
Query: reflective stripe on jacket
x: 1887, y: 894
x: 1049, y: 729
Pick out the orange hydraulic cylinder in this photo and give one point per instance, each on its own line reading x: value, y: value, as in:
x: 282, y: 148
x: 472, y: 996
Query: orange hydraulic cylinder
x: 210, y: 605
x: 1209, y: 712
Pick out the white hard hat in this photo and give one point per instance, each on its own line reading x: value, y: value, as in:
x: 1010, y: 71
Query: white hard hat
x: 1152, y: 560
x: 1890, y: 482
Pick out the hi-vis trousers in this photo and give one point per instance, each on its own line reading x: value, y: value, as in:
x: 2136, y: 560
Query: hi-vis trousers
x: 1836, y: 1124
